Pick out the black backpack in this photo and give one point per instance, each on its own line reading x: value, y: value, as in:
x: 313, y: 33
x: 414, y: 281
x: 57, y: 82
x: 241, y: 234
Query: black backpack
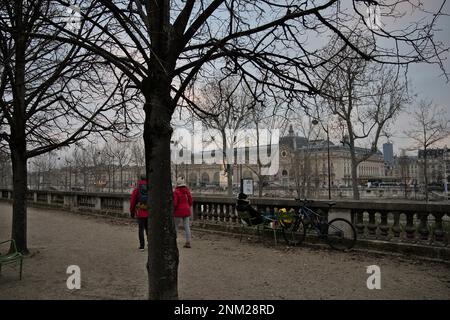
x: 142, y: 202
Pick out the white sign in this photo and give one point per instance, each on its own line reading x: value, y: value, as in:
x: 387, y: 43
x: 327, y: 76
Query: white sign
x: 74, y: 280
x: 374, y: 280
x: 247, y: 186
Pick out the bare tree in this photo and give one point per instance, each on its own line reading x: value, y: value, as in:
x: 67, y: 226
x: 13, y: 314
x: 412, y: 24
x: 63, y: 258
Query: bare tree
x: 267, y: 115
x: 364, y: 97
x: 41, y: 169
x: 52, y: 93
x: 82, y: 164
x: 138, y: 158
x: 164, y: 46
x: 302, y: 168
x: 38, y: 167
x: 68, y: 163
x: 405, y: 175
x: 228, y: 110
x: 431, y: 124
x: 119, y: 153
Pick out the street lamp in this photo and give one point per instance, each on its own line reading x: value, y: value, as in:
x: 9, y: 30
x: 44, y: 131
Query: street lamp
x: 315, y: 122
x: 444, y: 155
x: 69, y: 162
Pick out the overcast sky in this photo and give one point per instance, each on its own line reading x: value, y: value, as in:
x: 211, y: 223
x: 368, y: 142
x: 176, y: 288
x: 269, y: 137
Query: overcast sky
x: 427, y: 81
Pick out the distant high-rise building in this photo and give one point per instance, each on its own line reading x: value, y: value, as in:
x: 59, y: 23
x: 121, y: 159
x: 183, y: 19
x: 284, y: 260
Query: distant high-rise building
x: 388, y: 153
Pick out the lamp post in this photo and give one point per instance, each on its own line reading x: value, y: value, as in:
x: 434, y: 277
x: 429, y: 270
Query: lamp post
x: 113, y: 173
x: 444, y: 155
x: 175, y: 143
x: 69, y: 163
x: 315, y: 122
x: 241, y: 187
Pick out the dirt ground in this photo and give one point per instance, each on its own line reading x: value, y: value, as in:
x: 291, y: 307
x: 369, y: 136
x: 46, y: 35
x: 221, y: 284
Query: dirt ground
x: 216, y: 267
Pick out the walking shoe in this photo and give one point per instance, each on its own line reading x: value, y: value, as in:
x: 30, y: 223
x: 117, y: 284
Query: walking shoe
x: 187, y: 245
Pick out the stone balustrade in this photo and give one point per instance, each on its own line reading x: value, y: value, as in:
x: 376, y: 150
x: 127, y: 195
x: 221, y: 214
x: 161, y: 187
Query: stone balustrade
x: 408, y: 221
x: 392, y: 221
x: 104, y: 203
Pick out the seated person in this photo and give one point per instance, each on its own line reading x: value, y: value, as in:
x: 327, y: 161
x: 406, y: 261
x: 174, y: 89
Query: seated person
x: 243, y: 204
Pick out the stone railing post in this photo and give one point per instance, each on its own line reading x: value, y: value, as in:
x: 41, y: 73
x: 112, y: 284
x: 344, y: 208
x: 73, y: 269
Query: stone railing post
x: 410, y: 228
x: 98, y: 203
x: 384, y: 228
x: 126, y: 206
x: 200, y: 211
x: 233, y: 214
x: 204, y: 212
x: 396, y: 230
x: 217, y: 208
x: 360, y: 222
x: 226, y: 213
x: 438, y: 232
x: 207, y: 212
x: 423, y: 226
x: 211, y: 212
x: 221, y: 208
x: 196, y: 211
x: 372, y: 226
x: 68, y: 201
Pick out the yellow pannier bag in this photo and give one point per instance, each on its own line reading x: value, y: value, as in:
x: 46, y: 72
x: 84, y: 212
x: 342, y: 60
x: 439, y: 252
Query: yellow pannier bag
x: 286, y: 218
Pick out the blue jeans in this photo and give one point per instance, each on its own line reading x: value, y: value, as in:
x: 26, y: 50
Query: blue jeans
x: 187, y: 228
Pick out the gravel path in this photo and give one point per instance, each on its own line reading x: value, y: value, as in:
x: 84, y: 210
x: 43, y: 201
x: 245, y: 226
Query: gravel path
x: 216, y: 267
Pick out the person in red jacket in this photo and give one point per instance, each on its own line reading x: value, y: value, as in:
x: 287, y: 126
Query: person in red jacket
x: 139, y: 209
x: 182, y: 201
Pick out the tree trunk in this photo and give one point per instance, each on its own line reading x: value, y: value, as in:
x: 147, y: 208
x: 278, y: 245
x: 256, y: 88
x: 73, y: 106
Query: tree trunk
x: 230, y: 179
x: 425, y: 172
x: 228, y: 167
x: 163, y: 255
x: 114, y: 179
x: 306, y: 176
x: 354, y: 176
x: 19, y: 223
x: 121, y: 179
x: 18, y: 145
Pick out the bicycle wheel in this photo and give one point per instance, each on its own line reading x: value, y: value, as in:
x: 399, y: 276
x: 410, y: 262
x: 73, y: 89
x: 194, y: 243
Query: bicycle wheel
x: 341, y: 234
x: 294, y: 233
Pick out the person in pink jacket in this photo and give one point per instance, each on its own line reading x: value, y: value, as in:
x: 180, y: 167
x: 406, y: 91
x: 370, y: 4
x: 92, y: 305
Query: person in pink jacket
x: 182, y: 201
x: 139, y: 209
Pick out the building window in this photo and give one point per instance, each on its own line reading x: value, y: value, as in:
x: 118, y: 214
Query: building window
x: 205, y: 177
x: 216, y: 178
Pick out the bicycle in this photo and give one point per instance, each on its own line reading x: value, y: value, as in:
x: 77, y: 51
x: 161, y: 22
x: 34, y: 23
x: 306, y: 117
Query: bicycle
x: 339, y: 233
